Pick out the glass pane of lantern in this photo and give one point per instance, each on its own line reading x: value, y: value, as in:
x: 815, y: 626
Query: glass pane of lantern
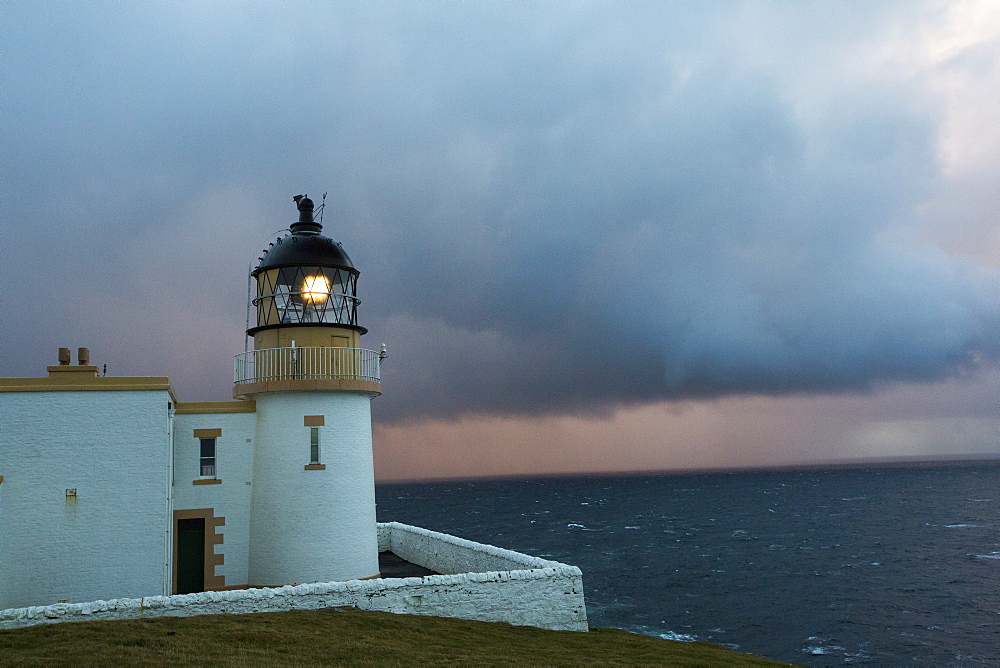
x: 286, y: 297
x: 267, y: 313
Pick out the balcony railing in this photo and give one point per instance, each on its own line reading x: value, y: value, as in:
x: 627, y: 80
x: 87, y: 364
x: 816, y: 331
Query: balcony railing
x: 277, y: 364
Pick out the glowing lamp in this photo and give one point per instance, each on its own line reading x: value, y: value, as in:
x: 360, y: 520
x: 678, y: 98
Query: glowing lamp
x: 316, y: 288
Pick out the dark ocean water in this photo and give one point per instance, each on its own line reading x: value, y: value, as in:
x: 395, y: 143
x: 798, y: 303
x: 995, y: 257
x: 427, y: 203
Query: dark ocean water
x: 886, y: 566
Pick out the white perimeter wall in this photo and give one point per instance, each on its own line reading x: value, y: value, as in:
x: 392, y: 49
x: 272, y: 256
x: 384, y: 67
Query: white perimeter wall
x: 231, y: 497
x: 450, y: 554
x: 112, y: 447
x: 537, y: 592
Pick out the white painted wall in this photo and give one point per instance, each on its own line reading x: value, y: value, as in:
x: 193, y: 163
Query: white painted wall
x: 444, y: 553
x: 312, y: 526
x: 111, y: 541
x: 230, y: 498
x: 548, y: 596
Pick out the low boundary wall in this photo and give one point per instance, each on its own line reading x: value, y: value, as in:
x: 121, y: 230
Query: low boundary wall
x: 479, y: 582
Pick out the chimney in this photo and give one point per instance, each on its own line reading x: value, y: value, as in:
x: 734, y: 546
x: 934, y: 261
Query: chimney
x: 83, y: 354
x: 64, y: 356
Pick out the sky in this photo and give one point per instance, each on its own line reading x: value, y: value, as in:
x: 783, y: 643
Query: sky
x: 594, y: 236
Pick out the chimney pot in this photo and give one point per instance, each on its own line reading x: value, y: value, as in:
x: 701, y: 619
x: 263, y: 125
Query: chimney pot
x: 83, y: 354
x: 64, y: 357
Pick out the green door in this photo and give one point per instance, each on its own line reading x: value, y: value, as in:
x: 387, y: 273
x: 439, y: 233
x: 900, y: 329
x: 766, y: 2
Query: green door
x: 190, y: 555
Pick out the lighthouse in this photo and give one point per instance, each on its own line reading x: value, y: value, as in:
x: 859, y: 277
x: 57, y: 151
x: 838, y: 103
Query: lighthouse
x: 124, y: 500
x: 312, y: 498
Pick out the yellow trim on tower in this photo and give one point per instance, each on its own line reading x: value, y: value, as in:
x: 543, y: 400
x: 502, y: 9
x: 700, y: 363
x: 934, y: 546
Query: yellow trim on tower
x: 314, y: 421
x: 371, y: 387
x: 320, y: 336
x: 207, y: 433
x: 207, y: 481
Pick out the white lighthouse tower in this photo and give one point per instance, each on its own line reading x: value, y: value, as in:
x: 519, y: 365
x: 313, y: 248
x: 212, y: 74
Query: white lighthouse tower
x: 312, y: 501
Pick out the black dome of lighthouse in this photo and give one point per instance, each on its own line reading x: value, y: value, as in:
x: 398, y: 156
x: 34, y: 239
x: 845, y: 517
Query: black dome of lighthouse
x: 305, y: 246
x: 314, y: 250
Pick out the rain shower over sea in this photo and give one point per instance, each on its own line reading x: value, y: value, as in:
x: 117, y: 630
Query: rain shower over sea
x: 880, y: 566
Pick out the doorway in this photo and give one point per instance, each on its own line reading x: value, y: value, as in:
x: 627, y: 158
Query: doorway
x: 190, y: 555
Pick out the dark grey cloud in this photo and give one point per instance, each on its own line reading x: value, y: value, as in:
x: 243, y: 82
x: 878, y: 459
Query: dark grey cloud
x: 555, y: 208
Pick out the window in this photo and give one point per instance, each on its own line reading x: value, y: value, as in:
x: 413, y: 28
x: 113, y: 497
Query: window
x: 314, y: 445
x: 207, y: 456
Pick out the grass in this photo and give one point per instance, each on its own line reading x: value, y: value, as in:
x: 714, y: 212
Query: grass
x: 344, y: 637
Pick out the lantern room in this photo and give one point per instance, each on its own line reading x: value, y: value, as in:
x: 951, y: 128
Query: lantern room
x: 306, y: 287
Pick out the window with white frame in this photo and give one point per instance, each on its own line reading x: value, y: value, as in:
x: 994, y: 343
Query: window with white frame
x: 207, y: 457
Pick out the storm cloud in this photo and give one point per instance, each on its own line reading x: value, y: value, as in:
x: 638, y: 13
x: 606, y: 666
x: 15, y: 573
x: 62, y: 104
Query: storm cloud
x: 559, y: 208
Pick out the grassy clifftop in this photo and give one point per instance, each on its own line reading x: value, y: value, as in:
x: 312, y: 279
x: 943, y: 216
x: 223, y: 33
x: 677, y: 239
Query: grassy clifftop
x: 344, y: 637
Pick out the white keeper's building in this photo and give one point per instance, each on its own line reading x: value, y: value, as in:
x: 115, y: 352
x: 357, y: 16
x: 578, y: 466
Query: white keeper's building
x: 113, y: 488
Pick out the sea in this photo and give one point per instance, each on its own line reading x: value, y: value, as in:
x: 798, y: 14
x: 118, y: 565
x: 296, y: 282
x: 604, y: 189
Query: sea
x: 882, y: 566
